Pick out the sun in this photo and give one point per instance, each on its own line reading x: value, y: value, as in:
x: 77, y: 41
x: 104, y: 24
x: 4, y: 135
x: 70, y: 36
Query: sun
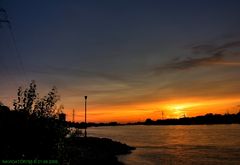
x: 179, y: 107
x: 178, y: 110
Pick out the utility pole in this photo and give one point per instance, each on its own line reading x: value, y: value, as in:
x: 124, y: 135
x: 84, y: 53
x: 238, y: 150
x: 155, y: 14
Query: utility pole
x: 85, y: 133
x: 73, y: 115
x: 4, y: 17
x: 4, y: 20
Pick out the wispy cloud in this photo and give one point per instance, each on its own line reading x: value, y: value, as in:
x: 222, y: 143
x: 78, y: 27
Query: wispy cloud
x: 76, y: 72
x: 217, y: 58
x: 210, y: 48
x: 210, y: 55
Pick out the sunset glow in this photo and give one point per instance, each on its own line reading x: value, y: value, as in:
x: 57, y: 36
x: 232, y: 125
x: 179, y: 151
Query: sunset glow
x: 155, y: 110
x: 134, y: 60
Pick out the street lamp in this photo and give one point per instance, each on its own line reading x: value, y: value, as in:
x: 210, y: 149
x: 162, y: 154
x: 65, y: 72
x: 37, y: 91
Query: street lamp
x: 85, y: 133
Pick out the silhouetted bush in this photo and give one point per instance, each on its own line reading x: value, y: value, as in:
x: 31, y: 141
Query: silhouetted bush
x: 32, y: 130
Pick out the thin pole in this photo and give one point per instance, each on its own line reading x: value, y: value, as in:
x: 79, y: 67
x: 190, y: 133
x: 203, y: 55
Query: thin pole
x: 85, y: 133
x: 73, y: 117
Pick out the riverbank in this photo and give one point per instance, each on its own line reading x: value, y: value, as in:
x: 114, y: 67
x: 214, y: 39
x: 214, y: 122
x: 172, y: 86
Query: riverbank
x: 44, y: 140
x: 94, y: 151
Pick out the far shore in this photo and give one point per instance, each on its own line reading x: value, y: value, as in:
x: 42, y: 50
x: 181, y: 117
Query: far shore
x: 207, y: 119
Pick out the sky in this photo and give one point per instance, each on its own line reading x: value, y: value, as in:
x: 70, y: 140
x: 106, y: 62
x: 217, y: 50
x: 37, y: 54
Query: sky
x: 134, y: 59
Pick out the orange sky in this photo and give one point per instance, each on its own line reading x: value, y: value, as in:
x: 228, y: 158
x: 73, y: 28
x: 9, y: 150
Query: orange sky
x: 154, y: 110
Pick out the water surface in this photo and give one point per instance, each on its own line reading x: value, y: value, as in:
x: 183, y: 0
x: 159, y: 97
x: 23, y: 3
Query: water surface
x: 183, y: 145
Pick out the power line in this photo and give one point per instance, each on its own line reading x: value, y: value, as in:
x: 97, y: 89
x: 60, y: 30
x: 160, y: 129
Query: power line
x: 6, y: 73
x: 18, y: 54
x: 5, y: 20
x: 85, y: 132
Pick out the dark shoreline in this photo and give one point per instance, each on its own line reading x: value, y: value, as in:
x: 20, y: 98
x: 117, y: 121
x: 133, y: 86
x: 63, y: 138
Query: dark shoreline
x: 80, y: 151
x: 27, y: 139
x: 94, y: 151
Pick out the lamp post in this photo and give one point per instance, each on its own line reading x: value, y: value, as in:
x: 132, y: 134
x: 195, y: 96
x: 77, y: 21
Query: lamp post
x: 85, y: 132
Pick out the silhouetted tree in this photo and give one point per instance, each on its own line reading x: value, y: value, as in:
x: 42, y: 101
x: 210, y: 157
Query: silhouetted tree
x: 149, y: 121
x: 45, y: 107
x: 28, y: 101
x: 26, y: 98
x: 40, y: 135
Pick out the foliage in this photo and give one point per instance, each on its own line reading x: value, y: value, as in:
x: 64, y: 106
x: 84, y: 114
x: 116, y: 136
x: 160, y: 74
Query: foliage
x: 29, y: 102
x: 32, y: 130
x: 45, y: 107
x: 26, y: 98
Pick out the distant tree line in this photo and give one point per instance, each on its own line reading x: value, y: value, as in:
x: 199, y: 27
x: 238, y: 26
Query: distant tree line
x: 206, y: 119
x: 209, y: 118
x: 81, y: 125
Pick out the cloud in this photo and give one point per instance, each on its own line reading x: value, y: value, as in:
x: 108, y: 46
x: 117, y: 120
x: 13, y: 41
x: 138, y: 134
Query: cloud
x: 189, y: 63
x: 208, y: 48
x: 210, y: 55
x: 76, y: 72
x: 203, y: 48
x: 230, y: 45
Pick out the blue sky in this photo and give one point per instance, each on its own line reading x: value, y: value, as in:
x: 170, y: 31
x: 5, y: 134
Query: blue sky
x: 122, y: 52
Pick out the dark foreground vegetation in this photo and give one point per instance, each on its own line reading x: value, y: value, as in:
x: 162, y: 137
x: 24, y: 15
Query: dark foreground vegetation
x: 34, y: 133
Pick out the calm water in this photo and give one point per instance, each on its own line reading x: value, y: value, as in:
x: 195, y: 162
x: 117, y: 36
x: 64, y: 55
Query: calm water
x: 177, y: 145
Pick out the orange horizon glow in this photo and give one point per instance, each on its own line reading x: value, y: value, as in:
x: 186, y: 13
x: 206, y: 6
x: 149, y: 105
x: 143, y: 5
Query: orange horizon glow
x: 176, y: 108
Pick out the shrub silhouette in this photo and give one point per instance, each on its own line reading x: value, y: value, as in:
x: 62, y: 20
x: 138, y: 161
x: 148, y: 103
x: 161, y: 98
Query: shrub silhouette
x: 32, y: 130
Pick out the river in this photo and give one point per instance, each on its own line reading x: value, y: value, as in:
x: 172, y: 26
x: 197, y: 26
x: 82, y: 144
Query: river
x: 176, y: 145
